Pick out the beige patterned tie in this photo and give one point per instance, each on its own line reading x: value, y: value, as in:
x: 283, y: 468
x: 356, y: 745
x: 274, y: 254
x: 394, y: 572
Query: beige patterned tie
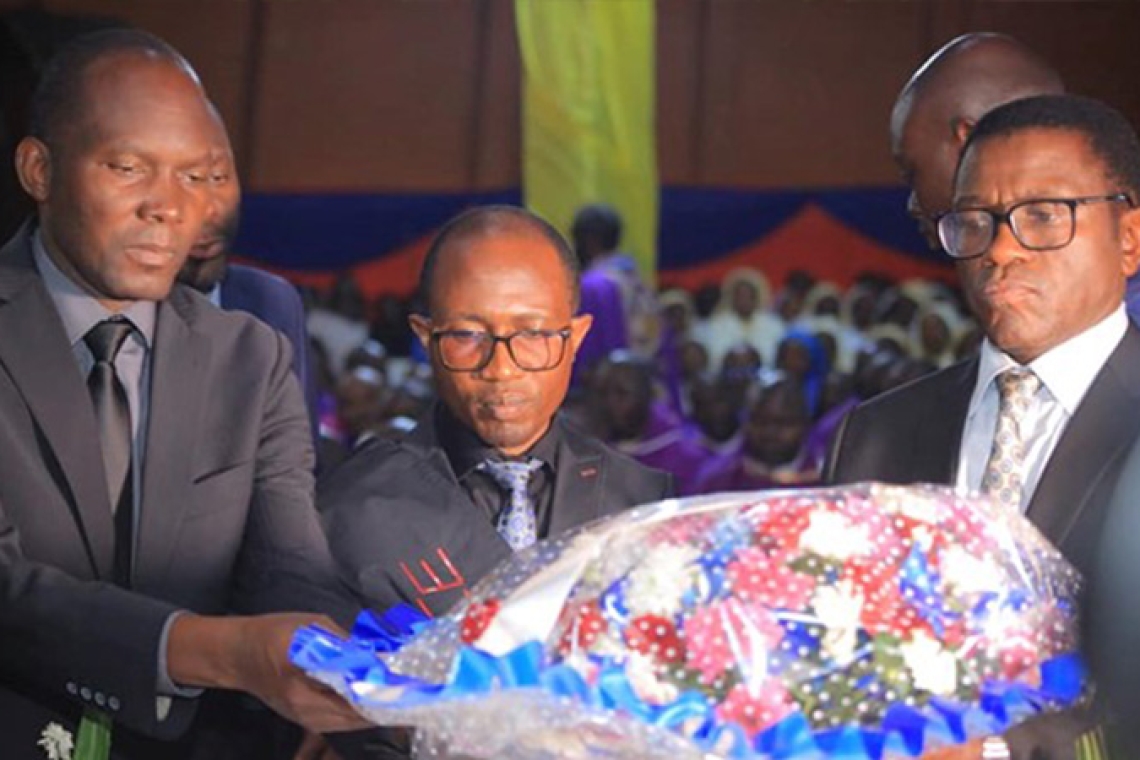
x: 1003, y: 478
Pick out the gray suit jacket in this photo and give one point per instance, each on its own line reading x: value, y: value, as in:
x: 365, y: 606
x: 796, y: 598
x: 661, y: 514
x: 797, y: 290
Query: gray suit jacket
x: 226, y: 519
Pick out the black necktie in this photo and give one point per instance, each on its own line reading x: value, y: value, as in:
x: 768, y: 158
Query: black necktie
x: 113, y: 415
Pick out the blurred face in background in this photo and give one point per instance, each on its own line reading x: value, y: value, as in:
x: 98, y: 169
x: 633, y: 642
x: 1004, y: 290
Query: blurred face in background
x: 205, y: 267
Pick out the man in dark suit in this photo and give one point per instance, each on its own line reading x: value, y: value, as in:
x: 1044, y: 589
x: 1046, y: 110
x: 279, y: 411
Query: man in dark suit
x: 155, y: 486
x: 421, y: 519
x: 266, y: 296
x: 1045, y: 231
x: 938, y: 107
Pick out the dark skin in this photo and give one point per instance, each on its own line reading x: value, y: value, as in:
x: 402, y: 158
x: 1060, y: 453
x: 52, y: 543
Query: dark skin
x: 1029, y: 302
x: 776, y: 424
x: 502, y: 282
x: 627, y: 392
x: 121, y: 200
x: 713, y: 409
x: 938, y: 108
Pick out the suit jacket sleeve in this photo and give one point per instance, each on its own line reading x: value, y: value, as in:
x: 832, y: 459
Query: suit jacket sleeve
x: 63, y: 636
x: 285, y: 563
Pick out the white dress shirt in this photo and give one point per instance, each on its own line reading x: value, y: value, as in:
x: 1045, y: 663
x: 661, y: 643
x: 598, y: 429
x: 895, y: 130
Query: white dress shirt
x: 1066, y: 372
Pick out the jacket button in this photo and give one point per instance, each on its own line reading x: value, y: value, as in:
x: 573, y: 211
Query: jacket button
x: 72, y: 689
x: 113, y: 703
x: 100, y: 699
x: 85, y: 693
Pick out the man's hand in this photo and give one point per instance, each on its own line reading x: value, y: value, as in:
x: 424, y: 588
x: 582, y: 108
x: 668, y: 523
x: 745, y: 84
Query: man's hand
x: 251, y: 654
x: 971, y: 750
x: 314, y: 747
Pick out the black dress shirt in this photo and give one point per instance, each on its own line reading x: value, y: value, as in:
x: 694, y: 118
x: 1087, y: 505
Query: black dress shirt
x: 466, y: 451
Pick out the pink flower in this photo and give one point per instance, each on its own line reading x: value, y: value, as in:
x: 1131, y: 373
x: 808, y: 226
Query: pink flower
x: 727, y: 632
x: 766, y: 579
x: 755, y: 710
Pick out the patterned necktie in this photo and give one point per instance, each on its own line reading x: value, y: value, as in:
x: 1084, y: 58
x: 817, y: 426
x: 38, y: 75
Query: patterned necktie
x: 113, y: 415
x: 517, y: 523
x: 1004, y: 475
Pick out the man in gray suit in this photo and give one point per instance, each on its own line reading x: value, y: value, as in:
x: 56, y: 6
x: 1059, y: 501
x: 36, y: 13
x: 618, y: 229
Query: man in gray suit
x: 155, y: 457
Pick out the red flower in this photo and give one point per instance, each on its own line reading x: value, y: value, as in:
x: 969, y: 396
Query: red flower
x: 477, y: 619
x: 885, y: 610
x: 584, y: 623
x: 755, y: 710
x: 655, y: 636
x: 780, y: 531
x: 1016, y: 654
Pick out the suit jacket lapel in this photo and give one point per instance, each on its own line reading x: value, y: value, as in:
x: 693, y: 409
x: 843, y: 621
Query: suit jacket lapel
x: 177, y: 393
x: 41, y: 364
x: 477, y: 547
x: 578, y: 483
x: 939, y: 439
x: 1102, y: 430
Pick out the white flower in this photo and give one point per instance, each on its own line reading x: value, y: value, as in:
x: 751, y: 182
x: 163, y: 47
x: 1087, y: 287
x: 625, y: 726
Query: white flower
x: 969, y: 574
x: 838, y: 609
x: 933, y: 668
x: 56, y: 742
x: 830, y: 534
x: 919, y: 508
x: 642, y: 674
x: 658, y: 585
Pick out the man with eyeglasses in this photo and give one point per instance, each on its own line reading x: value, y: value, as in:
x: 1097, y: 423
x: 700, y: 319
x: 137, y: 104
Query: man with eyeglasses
x: 492, y: 468
x: 1044, y: 232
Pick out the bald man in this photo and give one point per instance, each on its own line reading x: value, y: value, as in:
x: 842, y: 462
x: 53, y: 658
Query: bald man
x: 493, y: 466
x: 938, y: 107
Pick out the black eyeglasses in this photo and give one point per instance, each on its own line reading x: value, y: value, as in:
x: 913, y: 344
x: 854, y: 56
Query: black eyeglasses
x: 471, y: 350
x: 1039, y: 224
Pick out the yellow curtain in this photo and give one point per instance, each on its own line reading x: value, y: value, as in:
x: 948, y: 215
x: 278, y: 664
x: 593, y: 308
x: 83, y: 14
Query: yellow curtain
x: 589, y: 82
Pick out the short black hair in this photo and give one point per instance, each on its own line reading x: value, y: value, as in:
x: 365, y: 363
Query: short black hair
x: 600, y: 222
x: 58, y: 101
x: 485, y: 220
x: 1110, y: 136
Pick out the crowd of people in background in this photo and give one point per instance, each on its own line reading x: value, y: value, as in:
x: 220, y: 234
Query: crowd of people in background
x: 736, y: 386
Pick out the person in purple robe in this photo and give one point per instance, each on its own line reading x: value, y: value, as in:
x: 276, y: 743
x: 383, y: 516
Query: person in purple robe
x: 714, y: 424
x: 641, y: 428
x: 772, y: 452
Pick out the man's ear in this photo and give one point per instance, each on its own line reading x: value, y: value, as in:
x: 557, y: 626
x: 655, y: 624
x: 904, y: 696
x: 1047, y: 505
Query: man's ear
x: 421, y: 326
x: 960, y: 129
x: 1130, y: 241
x: 33, y: 167
x: 579, y: 326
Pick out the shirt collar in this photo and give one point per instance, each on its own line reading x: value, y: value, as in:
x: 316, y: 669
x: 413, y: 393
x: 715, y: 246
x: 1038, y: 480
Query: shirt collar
x: 1066, y: 371
x: 78, y: 309
x: 466, y: 451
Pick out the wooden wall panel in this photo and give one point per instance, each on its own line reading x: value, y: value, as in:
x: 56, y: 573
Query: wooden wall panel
x: 798, y: 93
x: 365, y: 95
x: 423, y: 95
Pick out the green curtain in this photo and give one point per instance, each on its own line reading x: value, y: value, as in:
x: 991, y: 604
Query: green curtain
x: 589, y: 82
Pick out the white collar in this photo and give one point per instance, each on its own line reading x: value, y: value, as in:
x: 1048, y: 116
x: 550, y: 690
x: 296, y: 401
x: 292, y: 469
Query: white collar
x: 1066, y: 371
